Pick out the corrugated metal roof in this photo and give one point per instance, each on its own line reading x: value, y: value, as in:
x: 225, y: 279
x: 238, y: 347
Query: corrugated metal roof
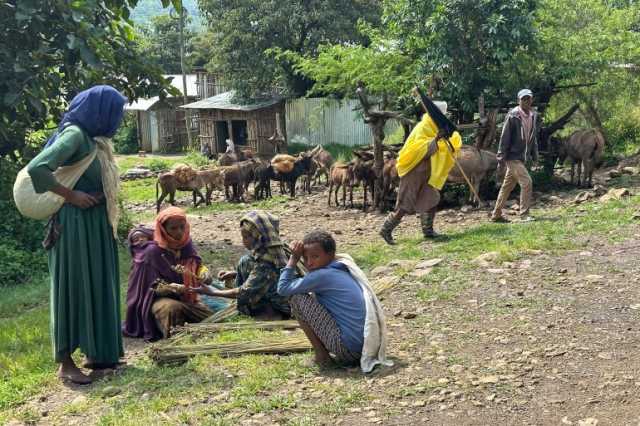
x: 144, y: 104
x: 225, y: 101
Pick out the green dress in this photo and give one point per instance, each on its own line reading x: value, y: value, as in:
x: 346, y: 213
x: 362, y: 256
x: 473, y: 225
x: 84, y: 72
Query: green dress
x: 83, y: 263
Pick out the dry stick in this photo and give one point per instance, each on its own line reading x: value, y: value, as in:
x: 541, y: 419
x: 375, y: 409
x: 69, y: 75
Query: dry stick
x: 450, y: 150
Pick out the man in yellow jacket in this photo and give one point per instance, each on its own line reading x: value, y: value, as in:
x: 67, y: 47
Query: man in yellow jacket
x: 423, y: 166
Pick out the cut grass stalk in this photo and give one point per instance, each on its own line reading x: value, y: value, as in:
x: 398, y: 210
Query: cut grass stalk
x: 175, y: 354
x: 206, y: 328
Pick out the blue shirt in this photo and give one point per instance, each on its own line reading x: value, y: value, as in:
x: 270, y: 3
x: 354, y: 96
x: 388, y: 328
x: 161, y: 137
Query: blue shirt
x: 338, y: 292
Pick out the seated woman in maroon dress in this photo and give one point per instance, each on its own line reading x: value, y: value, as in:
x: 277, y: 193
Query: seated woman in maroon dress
x: 169, y: 259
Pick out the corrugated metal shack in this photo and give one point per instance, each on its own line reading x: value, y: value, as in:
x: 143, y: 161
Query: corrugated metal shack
x: 161, y: 124
x: 329, y: 121
x: 250, y: 124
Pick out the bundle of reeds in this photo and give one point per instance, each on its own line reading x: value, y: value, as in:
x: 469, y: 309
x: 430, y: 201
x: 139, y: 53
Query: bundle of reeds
x: 173, y: 354
x: 211, y: 328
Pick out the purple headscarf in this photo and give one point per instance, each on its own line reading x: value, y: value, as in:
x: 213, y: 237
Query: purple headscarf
x: 98, y: 111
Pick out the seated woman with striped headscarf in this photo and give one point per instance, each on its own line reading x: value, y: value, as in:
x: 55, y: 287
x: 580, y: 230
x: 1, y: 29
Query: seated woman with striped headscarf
x: 163, y: 271
x: 256, y: 276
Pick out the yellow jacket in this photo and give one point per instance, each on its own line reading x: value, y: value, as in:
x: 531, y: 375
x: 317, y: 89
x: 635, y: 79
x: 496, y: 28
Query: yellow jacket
x: 415, y: 148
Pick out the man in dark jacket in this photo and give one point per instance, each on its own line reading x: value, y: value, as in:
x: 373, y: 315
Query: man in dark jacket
x: 518, y: 144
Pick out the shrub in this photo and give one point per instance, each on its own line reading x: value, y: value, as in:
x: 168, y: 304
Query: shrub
x: 196, y: 159
x: 126, y: 140
x: 125, y: 223
x: 20, y: 246
x: 157, y: 165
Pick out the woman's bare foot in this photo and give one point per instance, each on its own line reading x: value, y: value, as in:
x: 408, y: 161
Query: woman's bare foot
x: 71, y: 372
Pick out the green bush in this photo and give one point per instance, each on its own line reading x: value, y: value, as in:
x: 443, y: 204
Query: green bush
x: 126, y: 140
x: 20, y: 238
x: 125, y: 223
x: 19, y: 265
x: 194, y: 158
x: 623, y: 132
x: 157, y: 165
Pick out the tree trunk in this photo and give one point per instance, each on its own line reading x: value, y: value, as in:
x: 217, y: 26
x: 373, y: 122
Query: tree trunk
x: 187, y: 112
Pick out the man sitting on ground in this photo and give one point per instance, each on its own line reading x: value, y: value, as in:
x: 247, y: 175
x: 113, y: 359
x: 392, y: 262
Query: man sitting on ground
x: 342, y: 316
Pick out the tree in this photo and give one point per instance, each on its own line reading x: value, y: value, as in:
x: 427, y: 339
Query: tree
x: 159, y: 42
x: 595, y: 42
x: 247, y: 34
x: 378, y: 72
x: 464, y: 44
x: 52, y: 49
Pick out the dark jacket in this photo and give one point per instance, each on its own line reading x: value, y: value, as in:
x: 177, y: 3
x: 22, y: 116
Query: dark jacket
x: 514, y: 145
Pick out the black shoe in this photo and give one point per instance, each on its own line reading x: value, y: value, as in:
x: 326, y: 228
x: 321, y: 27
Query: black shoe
x: 433, y: 235
x: 387, y: 237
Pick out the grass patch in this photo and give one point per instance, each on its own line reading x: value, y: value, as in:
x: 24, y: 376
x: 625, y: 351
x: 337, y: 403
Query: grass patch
x: 25, y: 350
x: 26, y: 359
x: 159, y: 163
x: 271, y: 204
x: 139, y: 190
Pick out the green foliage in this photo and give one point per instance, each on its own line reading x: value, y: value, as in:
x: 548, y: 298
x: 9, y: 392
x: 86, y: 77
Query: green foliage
x: 196, y: 159
x: 146, y: 10
x: 20, y: 238
x: 462, y: 46
x: 126, y: 139
x: 53, y: 49
x: 158, y: 165
x: 336, y: 69
x: 623, y: 129
x: 159, y: 42
x: 591, y: 41
x: 263, y: 27
x: 125, y: 222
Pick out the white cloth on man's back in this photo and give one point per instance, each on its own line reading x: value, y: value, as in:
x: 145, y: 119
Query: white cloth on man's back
x: 374, y: 349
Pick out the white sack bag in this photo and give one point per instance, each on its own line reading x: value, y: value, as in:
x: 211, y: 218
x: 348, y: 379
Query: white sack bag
x: 41, y: 206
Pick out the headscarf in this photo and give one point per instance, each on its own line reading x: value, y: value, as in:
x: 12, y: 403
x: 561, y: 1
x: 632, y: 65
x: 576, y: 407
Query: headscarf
x: 162, y: 237
x: 264, y: 229
x: 167, y: 242
x: 98, y: 111
x: 140, y: 229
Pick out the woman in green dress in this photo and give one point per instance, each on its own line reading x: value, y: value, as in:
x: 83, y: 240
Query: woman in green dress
x: 81, y: 243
